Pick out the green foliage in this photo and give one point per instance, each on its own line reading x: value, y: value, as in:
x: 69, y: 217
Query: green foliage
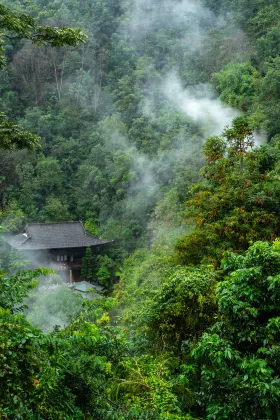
x: 149, y: 389
x: 142, y: 273
x: 182, y: 309
x: 30, y: 378
x: 21, y: 26
x: 238, y: 201
x: 49, y: 309
x: 13, y: 289
x: 89, y: 261
x: 90, y: 226
x: 237, y: 84
x: 63, y: 374
x: 119, y: 155
x: 24, y: 26
x: 105, y: 269
x: 12, y: 217
x: 166, y: 222
x: 100, y: 268
x: 269, y: 89
x: 14, y: 137
x: 238, y: 357
x: 55, y: 210
x: 106, y: 158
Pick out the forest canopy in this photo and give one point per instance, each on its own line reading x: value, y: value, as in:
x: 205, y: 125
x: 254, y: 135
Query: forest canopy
x: 156, y: 124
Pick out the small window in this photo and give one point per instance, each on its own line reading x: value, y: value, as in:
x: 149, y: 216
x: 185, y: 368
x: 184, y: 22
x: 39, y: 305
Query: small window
x: 61, y: 258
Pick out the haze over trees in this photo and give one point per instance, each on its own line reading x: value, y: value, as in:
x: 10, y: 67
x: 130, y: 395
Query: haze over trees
x: 158, y: 129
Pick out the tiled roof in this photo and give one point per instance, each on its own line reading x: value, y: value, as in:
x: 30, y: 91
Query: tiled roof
x: 53, y: 236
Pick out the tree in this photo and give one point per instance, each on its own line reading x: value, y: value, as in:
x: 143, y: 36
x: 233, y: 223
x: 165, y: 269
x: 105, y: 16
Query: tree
x: 99, y: 267
x: 269, y: 93
x: 238, y: 357
x: 60, y: 375
x: 238, y: 200
x: 20, y: 26
x: 55, y: 210
x: 182, y: 309
x: 147, y: 388
x: 237, y: 84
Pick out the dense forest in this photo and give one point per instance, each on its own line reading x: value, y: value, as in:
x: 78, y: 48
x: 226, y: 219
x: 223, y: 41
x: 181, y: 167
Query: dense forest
x: 157, y: 124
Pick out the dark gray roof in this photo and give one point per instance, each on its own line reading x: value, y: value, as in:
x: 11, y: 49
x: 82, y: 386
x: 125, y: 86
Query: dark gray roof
x: 52, y: 236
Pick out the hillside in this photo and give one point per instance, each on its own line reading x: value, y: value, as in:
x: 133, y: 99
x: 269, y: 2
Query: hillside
x: 155, y: 123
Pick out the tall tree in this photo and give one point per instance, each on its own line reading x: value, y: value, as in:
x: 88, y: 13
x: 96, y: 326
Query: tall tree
x: 238, y: 357
x: 237, y: 202
x: 21, y: 26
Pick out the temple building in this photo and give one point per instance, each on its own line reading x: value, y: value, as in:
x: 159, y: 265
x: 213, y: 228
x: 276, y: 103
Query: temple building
x: 60, y: 246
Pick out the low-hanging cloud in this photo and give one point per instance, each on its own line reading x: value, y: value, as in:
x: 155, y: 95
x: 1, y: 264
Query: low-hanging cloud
x: 192, y: 22
x: 199, y: 104
x: 189, y: 17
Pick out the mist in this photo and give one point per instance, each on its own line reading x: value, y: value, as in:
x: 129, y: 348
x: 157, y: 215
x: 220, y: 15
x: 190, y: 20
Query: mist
x: 49, y: 307
x: 200, y: 104
x: 167, y: 93
x: 192, y: 23
x: 166, y: 37
x: 189, y: 18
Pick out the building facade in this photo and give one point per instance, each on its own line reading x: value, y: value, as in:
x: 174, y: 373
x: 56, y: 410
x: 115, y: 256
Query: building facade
x: 60, y: 246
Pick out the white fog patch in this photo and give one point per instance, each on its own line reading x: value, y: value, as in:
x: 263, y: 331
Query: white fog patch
x: 143, y: 189
x: 147, y: 26
x: 260, y: 137
x: 192, y: 23
x: 146, y: 16
x: 199, y: 104
x: 52, y: 304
